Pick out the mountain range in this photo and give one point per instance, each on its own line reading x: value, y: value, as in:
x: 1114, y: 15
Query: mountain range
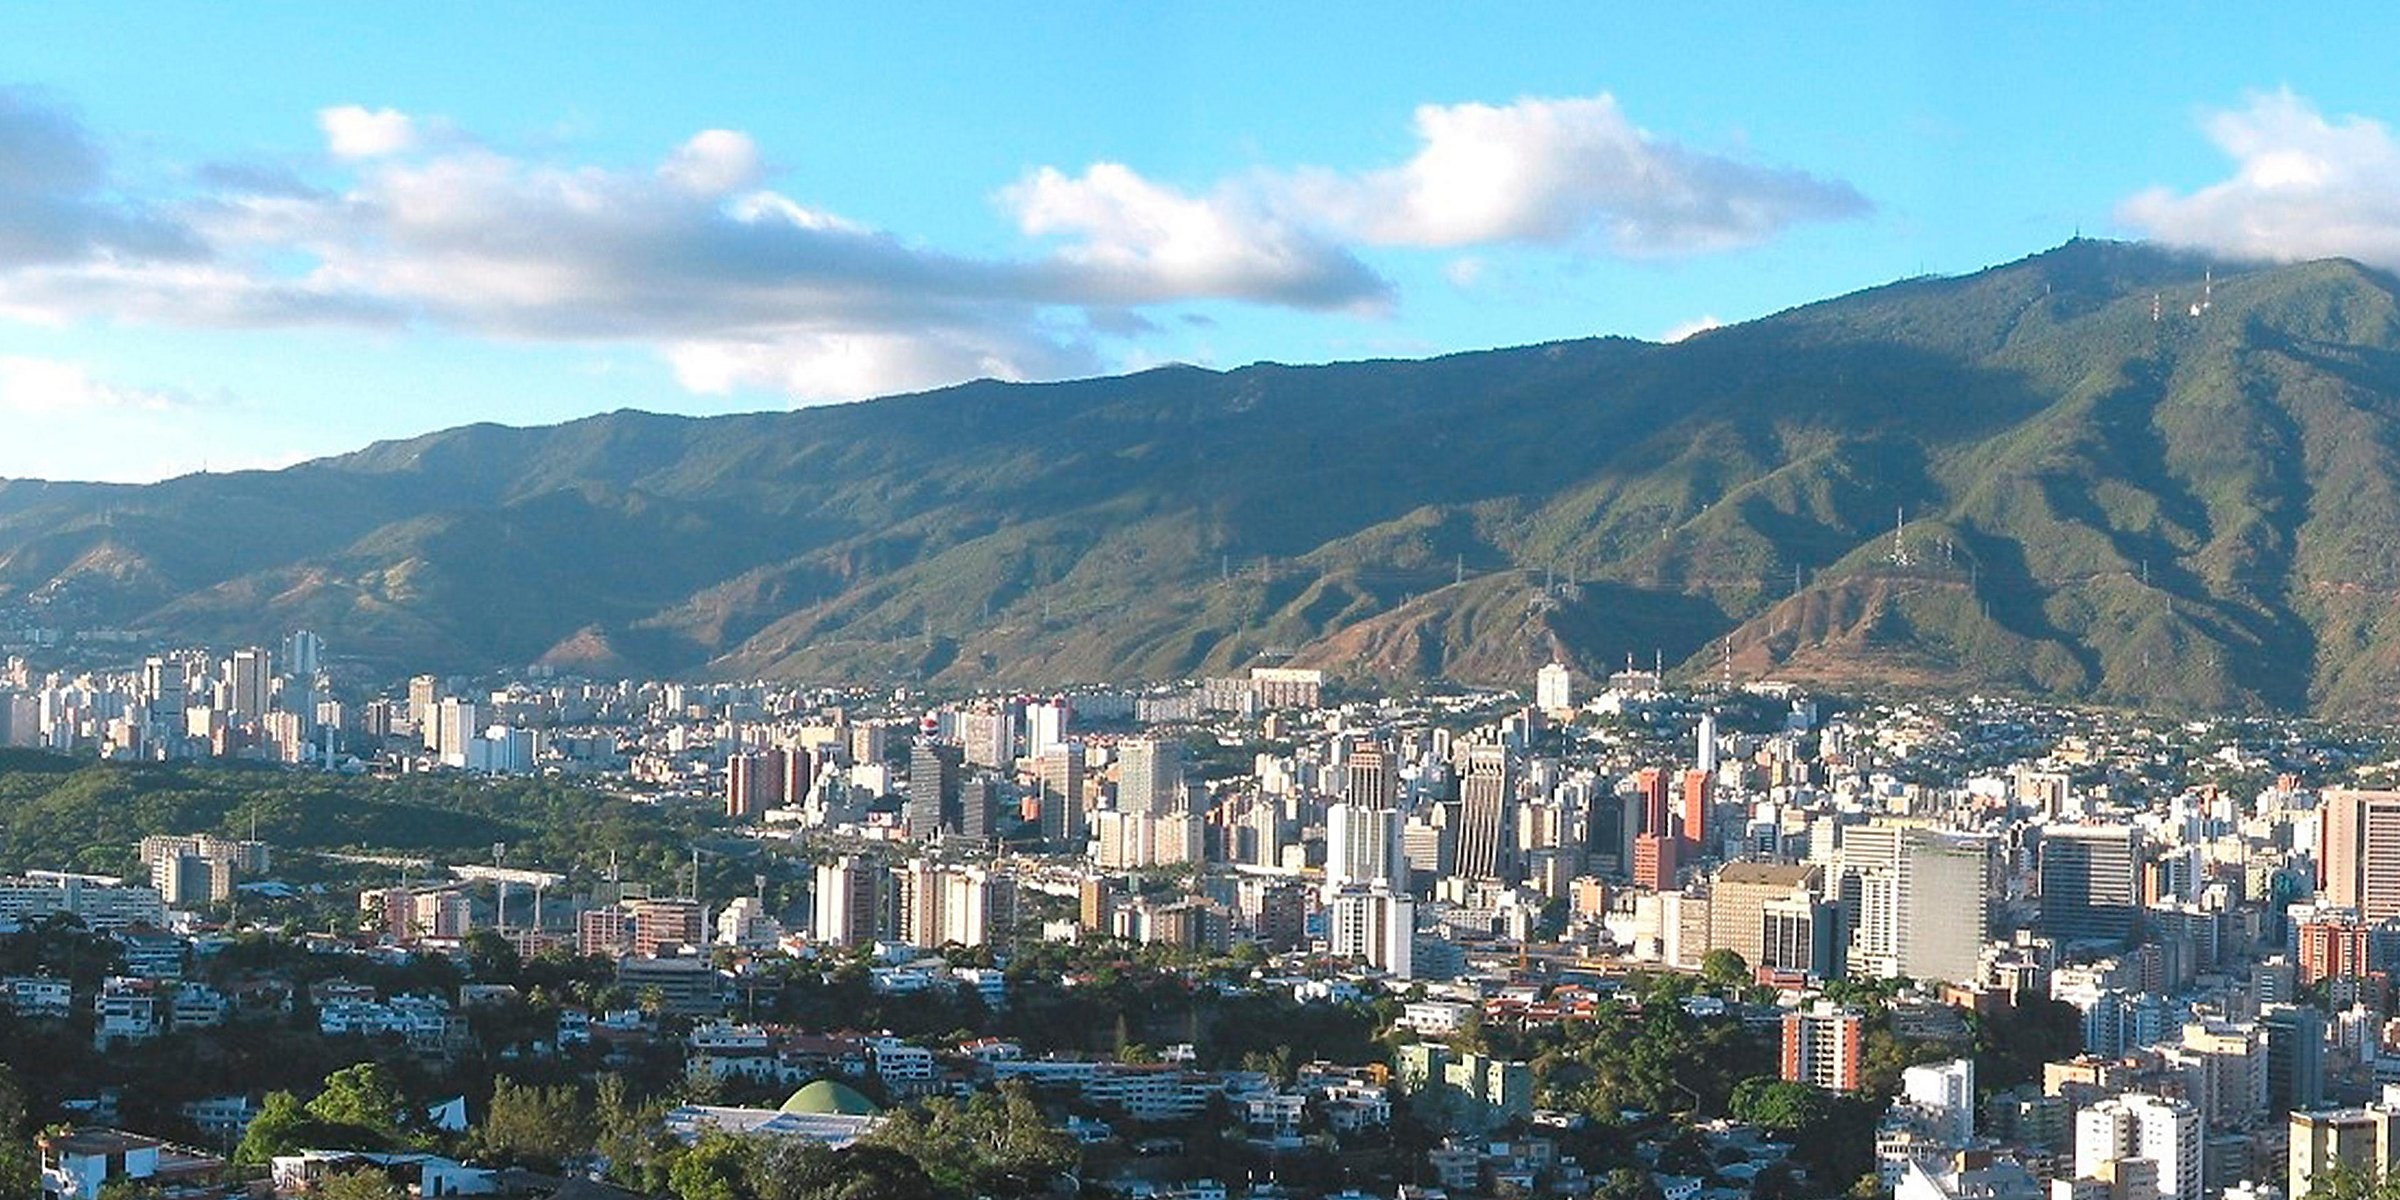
x: 2106, y: 472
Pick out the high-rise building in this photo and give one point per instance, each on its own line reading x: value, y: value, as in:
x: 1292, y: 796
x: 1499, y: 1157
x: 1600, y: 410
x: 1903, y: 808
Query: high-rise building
x: 1485, y: 794
x: 1699, y: 797
x: 1061, y: 772
x: 1150, y: 777
x: 1554, y: 689
x: 2294, y: 1037
x: 2088, y: 876
x: 1921, y: 900
x: 666, y: 926
x: 2358, y: 860
x: 1363, y: 847
x: 2333, y: 947
x: 745, y: 785
x: 2166, y: 1132
x: 1737, y: 902
x: 1373, y: 924
x: 1371, y: 779
x: 454, y: 725
x: 250, y: 677
x: 424, y: 694
x: 933, y: 783
x: 303, y: 654
x: 2357, y: 1140
x: 1942, y: 1096
x: 845, y: 903
x: 1823, y: 1045
x: 1704, y: 750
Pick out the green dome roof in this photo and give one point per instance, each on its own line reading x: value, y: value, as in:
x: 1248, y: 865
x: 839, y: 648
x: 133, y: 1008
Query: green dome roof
x: 826, y: 1096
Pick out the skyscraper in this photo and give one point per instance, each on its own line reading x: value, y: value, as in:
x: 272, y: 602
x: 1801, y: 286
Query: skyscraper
x: 933, y: 780
x: 2088, y: 882
x: 1061, y: 771
x: 1485, y: 793
x: 250, y: 677
x: 1362, y: 847
x: 1371, y: 779
x: 845, y: 909
x: 2358, y: 864
x: 1149, y: 777
x: 1554, y: 689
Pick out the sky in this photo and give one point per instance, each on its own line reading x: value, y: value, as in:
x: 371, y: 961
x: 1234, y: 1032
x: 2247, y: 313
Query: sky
x: 241, y: 237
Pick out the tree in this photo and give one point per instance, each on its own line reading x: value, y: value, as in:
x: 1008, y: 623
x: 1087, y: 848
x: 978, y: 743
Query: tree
x: 490, y: 957
x: 366, y: 1095
x: 20, y: 1174
x: 1725, y: 967
x: 366, y: 1183
x: 717, y: 1167
x: 279, y: 1128
x: 535, y: 1127
x: 1778, y: 1104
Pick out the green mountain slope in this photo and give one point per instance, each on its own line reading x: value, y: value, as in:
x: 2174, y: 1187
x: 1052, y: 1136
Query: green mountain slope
x: 2103, y: 472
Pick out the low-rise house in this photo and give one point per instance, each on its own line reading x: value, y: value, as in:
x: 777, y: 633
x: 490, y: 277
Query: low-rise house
x: 40, y: 997
x: 77, y: 1163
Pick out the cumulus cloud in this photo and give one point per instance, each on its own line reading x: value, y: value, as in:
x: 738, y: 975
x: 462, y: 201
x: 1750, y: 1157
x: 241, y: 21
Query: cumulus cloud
x: 56, y: 205
x: 2303, y: 187
x: 1555, y: 172
x: 703, y: 258
x: 48, y: 386
x: 1136, y: 242
x: 354, y: 132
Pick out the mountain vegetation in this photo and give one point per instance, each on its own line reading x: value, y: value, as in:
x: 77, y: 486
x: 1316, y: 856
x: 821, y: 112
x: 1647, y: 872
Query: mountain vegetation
x: 2104, y: 473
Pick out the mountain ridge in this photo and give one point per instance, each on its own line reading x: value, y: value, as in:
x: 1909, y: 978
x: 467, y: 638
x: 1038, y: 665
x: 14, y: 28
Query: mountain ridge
x: 2104, y: 472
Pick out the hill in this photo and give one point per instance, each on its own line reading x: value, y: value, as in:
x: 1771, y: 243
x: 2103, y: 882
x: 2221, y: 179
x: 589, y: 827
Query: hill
x: 2103, y: 472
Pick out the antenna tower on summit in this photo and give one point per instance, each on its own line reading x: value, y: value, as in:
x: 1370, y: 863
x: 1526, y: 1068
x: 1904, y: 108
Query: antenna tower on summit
x: 1900, y: 537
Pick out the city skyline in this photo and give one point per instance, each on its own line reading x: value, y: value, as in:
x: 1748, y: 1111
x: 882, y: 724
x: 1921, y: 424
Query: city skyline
x: 368, y: 228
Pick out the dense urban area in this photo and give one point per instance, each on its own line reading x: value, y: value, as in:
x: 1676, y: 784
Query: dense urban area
x: 273, y: 925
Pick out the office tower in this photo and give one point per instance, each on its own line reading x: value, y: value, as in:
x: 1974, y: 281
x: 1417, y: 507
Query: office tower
x: 1921, y: 901
x: 1485, y: 795
x: 2166, y: 1132
x: 250, y: 676
x: 1363, y: 846
x: 303, y: 655
x: 1699, y: 795
x: 2358, y: 864
x: 1799, y: 933
x: 1061, y: 772
x: 1371, y: 779
x: 2088, y: 882
x: 454, y: 725
x: 2357, y: 1140
x: 1705, y: 749
x: 1554, y: 689
x: 1150, y: 777
x: 933, y: 781
x: 1652, y: 785
x: 1822, y: 1046
x: 2295, y: 1050
x: 1737, y: 909
x: 979, y: 807
x: 424, y: 694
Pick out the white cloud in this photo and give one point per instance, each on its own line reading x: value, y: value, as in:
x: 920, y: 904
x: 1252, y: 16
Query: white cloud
x: 703, y: 259
x: 713, y: 163
x: 2303, y: 187
x: 353, y: 132
x: 1557, y: 172
x: 49, y: 386
x: 1138, y: 242
x: 1698, y: 325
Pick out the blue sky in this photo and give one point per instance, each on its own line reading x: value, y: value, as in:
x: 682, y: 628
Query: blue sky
x: 232, y: 242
